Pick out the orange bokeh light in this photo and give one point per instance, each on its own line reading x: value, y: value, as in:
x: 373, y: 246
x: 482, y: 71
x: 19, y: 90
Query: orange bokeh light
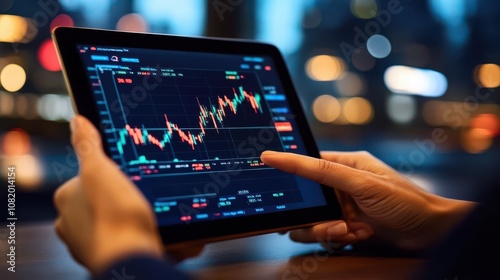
x: 487, y: 122
x: 16, y: 143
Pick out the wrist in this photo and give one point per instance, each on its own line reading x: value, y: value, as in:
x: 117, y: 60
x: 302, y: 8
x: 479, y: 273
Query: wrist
x: 446, y: 214
x: 120, y: 245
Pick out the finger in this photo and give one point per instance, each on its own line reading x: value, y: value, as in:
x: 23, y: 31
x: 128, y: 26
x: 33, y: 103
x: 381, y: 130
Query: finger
x: 180, y: 254
x: 332, y: 174
x: 62, y: 193
x: 85, y: 140
x: 350, y: 159
x: 334, y: 230
x: 95, y: 166
x: 358, y: 160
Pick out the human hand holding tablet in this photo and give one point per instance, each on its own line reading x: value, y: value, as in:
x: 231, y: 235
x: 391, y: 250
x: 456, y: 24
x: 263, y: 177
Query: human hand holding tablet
x: 186, y: 119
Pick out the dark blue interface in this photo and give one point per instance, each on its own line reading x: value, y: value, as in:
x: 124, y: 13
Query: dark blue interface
x: 188, y: 128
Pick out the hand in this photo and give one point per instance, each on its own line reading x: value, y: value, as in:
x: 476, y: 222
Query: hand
x: 376, y: 201
x: 103, y: 217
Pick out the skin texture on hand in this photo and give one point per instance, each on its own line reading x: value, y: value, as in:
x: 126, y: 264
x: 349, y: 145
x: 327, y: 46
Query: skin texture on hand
x: 377, y: 202
x: 102, y: 217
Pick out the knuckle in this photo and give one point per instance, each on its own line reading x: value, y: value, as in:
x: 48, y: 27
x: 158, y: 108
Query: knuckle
x: 364, y: 154
x: 325, y: 168
x: 59, y: 196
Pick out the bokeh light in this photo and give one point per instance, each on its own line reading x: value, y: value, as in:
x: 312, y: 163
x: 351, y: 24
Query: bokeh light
x: 55, y: 107
x: 358, y: 110
x: 476, y: 140
x: 6, y: 104
x: 325, y: 68
x: 351, y: 84
x: 437, y: 112
x: 364, y: 9
x: 61, y: 20
x: 12, y: 77
x: 16, y: 147
x: 401, y: 109
x: 47, y: 56
x: 26, y: 106
x: 410, y: 80
x: 378, y: 46
x: 16, y: 142
x: 488, y: 75
x: 326, y: 108
x: 30, y: 174
x: 488, y: 122
x: 13, y: 29
x: 132, y: 22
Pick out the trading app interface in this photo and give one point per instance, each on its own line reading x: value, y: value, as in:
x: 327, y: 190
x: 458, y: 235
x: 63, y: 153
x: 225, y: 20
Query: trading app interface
x: 188, y: 128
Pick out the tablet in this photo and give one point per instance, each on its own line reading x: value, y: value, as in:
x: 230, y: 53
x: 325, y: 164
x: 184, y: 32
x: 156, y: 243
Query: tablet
x: 186, y: 118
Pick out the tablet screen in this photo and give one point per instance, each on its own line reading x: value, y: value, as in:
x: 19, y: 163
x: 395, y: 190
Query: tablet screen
x: 189, y: 127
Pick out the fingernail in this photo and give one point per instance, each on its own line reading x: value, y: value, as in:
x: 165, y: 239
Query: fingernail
x: 338, y: 229
x: 270, y: 153
x: 74, y: 123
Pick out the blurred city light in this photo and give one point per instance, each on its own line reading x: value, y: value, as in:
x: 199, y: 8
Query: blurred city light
x: 325, y: 68
x: 409, y: 80
x: 488, y: 122
x: 6, y: 104
x: 26, y: 106
x: 17, y: 151
x: 16, y: 142
x: 476, y: 140
x: 452, y: 113
x: 61, y: 20
x: 357, y: 110
x: 47, y: 56
x: 326, y: 108
x: 12, y: 77
x: 55, y: 107
x: 13, y: 29
x: 401, y: 109
x: 350, y: 84
x: 132, y: 22
x: 488, y: 75
x: 378, y: 46
x: 364, y: 9
x: 30, y: 171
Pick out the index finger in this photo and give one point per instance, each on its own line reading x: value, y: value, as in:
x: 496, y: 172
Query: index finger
x: 328, y: 173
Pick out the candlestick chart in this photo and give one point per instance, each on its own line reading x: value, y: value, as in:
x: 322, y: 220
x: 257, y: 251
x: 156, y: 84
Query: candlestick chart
x: 222, y: 125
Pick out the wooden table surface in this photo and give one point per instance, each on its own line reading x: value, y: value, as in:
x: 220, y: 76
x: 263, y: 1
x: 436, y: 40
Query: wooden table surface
x: 41, y: 255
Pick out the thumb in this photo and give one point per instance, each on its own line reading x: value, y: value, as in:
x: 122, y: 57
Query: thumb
x: 335, y: 175
x: 86, y: 140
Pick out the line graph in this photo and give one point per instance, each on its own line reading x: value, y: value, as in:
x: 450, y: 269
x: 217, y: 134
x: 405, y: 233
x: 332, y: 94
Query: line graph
x: 207, y: 122
x: 208, y: 115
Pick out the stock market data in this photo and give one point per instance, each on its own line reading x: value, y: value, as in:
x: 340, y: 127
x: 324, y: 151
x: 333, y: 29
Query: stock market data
x: 188, y: 129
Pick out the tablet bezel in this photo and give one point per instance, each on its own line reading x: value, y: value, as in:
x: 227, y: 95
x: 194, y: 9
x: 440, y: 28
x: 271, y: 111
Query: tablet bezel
x: 66, y: 40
